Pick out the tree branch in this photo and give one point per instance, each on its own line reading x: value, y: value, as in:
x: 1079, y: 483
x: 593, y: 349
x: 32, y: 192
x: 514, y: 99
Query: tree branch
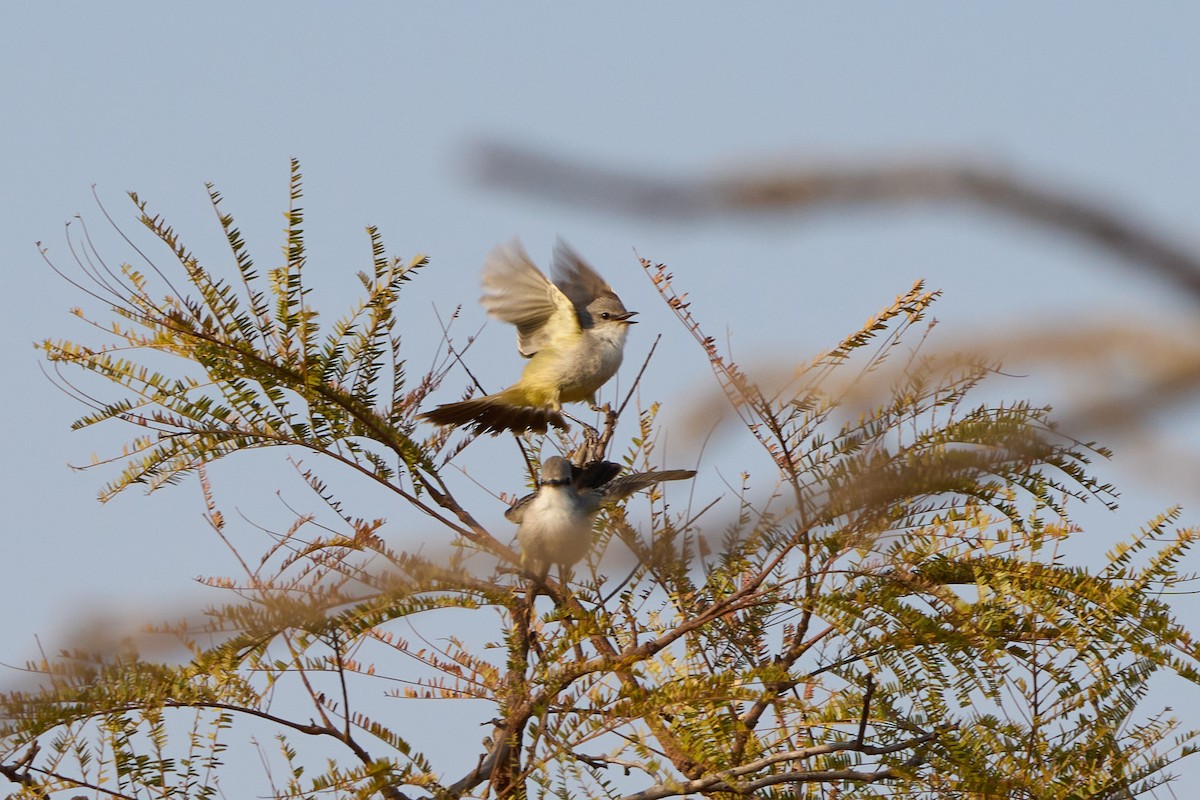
x: 726, y: 780
x: 778, y: 188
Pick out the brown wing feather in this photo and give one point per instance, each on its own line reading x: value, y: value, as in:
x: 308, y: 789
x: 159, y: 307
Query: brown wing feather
x: 575, y: 278
x: 516, y: 291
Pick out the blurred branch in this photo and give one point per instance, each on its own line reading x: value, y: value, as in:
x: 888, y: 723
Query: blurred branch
x: 1111, y: 381
x: 783, y: 188
x: 1122, y: 373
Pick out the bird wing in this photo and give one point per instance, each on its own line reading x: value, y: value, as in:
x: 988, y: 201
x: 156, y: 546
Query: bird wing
x: 516, y: 512
x: 517, y: 292
x: 575, y: 278
x: 624, y: 486
x: 593, y: 474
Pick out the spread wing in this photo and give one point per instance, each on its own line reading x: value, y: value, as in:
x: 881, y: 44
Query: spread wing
x: 629, y: 484
x: 575, y: 278
x: 516, y: 291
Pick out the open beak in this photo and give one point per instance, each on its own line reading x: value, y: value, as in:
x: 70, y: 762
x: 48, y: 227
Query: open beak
x: 626, y: 318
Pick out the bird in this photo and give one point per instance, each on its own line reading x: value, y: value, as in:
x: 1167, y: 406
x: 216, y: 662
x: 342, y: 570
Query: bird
x: 571, y: 329
x: 555, y: 522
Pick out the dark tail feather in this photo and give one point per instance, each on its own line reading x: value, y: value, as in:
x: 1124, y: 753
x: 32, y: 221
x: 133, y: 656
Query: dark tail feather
x: 493, y: 415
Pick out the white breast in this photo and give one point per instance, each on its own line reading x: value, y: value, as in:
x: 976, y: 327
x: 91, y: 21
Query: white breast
x: 555, y: 528
x: 594, y: 359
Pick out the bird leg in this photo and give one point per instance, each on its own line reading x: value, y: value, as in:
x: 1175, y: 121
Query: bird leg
x: 591, y: 449
x: 564, y: 576
x: 524, y: 620
x: 610, y: 427
x: 595, y: 440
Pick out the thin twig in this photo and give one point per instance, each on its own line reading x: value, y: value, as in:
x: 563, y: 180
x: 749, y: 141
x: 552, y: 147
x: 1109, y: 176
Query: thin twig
x: 862, y: 724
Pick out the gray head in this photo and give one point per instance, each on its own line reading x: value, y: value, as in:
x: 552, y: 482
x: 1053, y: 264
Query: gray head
x: 606, y: 309
x: 556, y: 471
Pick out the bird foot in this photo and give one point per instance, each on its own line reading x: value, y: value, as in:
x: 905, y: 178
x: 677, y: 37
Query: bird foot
x: 592, y: 449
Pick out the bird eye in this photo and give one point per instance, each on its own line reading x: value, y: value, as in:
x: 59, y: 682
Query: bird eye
x: 605, y: 315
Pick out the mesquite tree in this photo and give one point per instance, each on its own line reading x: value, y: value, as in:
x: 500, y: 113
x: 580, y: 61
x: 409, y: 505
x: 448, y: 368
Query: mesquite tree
x: 895, y: 618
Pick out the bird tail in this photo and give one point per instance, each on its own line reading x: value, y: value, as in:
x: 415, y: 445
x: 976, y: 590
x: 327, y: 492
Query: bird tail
x: 495, y: 413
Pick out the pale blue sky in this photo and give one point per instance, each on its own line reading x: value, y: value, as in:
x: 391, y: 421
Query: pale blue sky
x: 381, y: 102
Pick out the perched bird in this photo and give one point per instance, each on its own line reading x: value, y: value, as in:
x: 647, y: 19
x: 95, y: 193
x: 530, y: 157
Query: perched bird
x: 556, y: 520
x: 572, y: 330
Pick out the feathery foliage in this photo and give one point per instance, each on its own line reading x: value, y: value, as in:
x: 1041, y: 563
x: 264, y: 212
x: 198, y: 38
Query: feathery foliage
x: 895, y: 617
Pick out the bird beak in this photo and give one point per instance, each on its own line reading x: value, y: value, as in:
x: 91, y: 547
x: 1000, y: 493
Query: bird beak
x: 626, y: 318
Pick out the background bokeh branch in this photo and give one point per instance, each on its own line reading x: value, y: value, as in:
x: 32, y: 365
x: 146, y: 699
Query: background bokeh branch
x: 1117, y: 375
x: 780, y: 187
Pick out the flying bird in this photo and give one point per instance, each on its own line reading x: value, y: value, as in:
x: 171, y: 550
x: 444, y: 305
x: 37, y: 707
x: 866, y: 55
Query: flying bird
x: 571, y: 329
x: 556, y: 520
